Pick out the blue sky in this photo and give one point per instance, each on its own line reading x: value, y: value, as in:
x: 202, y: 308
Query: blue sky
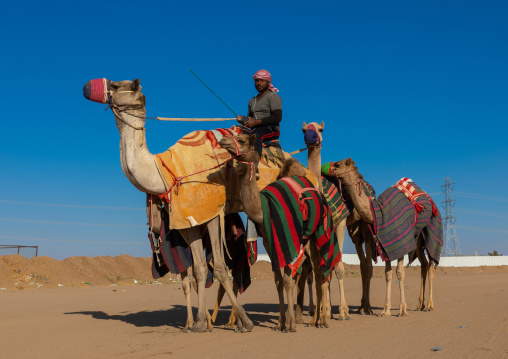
x: 404, y: 88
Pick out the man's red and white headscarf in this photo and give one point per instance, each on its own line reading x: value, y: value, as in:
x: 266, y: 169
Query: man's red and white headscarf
x: 265, y: 75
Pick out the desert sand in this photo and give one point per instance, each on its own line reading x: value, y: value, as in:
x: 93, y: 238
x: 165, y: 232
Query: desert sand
x: 110, y: 307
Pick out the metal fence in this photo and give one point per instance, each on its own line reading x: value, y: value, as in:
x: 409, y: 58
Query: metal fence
x: 26, y: 251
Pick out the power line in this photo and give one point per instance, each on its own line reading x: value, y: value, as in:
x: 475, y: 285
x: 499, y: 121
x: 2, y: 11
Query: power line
x: 70, y: 240
x: 72, y: 206
x: 72, y: 223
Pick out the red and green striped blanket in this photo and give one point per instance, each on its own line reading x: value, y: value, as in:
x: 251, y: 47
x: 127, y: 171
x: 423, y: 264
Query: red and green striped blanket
x: 293, y: 211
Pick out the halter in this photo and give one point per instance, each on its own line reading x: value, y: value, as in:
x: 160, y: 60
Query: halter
x: 123, y: 108
x: 359, y: 184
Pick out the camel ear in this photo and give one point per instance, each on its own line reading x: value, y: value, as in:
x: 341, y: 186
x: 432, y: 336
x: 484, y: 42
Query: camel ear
x: 135, y: 85
x: 322, y: 125
x: 348, y: 161
x: 304, y: 126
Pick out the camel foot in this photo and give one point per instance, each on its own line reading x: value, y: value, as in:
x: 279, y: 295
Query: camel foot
x: 364, y: 310
x: 403, y: 314
x: 199, y: 328
x: 242, y: 330
x: 299, y: 320
x: 345, y: 317
x: 385, y: 314
x: 185, y: 330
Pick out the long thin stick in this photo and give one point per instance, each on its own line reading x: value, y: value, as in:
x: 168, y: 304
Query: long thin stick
x: 212, y: 92
x: 194, y: 119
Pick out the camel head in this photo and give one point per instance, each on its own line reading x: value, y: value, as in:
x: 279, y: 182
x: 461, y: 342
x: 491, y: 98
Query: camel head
x: 124, y: 97
x: 340, y: 168
x: 127, y: 94
x: 242, y: 148
x: 313, y: 133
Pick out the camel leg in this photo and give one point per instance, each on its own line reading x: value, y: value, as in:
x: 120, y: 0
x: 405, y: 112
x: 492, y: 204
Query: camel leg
x: 340, y: 273
x: 319, y: 319
x: 368, y: 269
x: 232, y: 317
x: 432, y: 274
x: 279, y: 285
x: 300, y: 292
x: 220, y: 295
x: 186, y: 286
x: 328, y: 307
x: 289, y: 286
x: 220, y: 272
x: 424, y: 265
x: 310, y: 282
x: 388, y: 300
x: 400, y: 278
x: 200, y: 271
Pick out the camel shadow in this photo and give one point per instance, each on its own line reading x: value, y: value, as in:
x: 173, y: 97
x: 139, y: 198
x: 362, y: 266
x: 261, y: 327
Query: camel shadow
x: 263, y: 315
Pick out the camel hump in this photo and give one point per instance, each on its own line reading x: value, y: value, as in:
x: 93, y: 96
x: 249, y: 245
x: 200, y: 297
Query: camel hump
x: 292, y: 167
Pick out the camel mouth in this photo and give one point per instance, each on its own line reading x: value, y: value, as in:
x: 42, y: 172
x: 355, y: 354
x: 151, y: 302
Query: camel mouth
x: 97, y: 90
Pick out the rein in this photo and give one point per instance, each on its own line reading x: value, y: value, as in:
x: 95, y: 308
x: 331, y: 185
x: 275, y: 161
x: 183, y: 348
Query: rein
x: 318, y: 145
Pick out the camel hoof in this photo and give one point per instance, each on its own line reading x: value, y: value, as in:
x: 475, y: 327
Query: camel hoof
x: 184, y: 330
x: 198, y: 329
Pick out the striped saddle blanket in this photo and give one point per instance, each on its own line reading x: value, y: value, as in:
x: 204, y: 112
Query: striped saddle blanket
x: 293, y: 210
x: 403, y: 212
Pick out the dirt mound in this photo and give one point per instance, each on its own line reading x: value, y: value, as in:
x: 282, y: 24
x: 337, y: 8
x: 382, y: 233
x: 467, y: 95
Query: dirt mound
x: 18, y: 272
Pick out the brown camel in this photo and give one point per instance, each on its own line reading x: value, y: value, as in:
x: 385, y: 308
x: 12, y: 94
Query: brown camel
x: 128, y: 105
x: 424, y: 231
x: 357, y: 229
x: 245, y: 165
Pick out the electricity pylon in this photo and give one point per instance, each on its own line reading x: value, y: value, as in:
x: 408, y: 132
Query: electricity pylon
x: 451, y: 241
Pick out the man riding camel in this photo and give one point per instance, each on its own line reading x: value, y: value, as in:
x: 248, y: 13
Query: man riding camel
x: 264, y: 112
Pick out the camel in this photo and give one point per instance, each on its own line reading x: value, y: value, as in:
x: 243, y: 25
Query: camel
x: 357, y: 229
x: 424, y: 233
x: 245, y: 165
x: 128, y: 105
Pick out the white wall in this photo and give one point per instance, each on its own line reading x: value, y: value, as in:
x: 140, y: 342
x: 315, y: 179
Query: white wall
x: 463, y: 261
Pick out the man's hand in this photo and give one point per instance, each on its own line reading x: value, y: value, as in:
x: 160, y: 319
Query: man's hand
x: 252, y: 122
